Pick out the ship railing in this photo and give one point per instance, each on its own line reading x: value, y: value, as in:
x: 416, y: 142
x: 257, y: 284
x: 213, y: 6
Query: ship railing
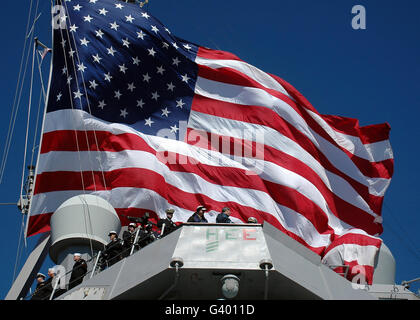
x: 99, y: 264
x: 49, y: 292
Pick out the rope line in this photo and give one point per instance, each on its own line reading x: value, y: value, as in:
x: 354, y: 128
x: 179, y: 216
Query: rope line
x: 18, y: 96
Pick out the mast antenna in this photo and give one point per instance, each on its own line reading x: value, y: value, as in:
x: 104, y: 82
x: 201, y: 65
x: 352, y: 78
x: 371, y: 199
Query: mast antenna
x: 24, y: 200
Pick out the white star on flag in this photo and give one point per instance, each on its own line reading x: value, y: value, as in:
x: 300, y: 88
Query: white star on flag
x: 81, y: 67
x: 114, y: 26
x: 141, y: 35
x: 123, y: 68
x: 149, y: 122
x: 111, y: 51
x: 103, y: 11
x: 165, y: 112
x: 97, y: 58
x: 140, y: 103
x: 99, y: 33
x: 77, y: 94
x: 88, y: 18
x: 84, y: 42
x: 129, y: 18
x: 124, y: 113
x: 174, y: 129
x: 93, y: 84
x: 102, y: 104
x: 155, y: 95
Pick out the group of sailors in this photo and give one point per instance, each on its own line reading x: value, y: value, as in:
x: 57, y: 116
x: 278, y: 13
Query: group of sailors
x: 50, y: 288
x: 222, y: 217
x: 117, y: 248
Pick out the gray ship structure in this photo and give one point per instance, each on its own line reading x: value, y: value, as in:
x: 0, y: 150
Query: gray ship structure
x: 195, y: 262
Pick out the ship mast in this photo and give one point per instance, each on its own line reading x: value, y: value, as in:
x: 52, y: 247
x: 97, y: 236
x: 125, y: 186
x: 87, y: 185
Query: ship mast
x: 33, y: 263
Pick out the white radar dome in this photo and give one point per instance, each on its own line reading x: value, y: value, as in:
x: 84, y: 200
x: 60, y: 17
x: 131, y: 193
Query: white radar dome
x: 385, y: 266
x: 82, y: 221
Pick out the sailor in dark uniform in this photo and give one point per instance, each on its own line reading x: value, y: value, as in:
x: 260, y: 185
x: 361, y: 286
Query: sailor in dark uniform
x: 78, y: 272
x: 113, y: 249
x: 168, y: 223
x: 223, y: 217
x: 146, y: 235
x: 40, y: 292
x: 198, y: 215
x: 50, y: 284
x: 128, y: 238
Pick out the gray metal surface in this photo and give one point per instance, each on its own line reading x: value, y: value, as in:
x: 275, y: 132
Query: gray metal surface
x: 385, y: 267
x: 391, y: 292
x: 28, y: 273
x: 302, y: 272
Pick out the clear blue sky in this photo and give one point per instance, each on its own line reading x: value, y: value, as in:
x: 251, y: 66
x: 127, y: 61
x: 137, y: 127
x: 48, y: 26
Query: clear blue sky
x: 372, y: 75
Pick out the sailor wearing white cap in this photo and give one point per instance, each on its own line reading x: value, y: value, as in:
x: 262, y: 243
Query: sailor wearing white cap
x: 128, y: 238
x: 113, y: 249
x: 198, y: 215
x: 79, y: 270
x: 168, y: 223
x: 41, y: 276
x: 48, y: 285
x: 39, y: 293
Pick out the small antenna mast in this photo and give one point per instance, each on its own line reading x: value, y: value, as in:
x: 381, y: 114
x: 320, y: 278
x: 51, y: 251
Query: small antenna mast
x: 24, y: 200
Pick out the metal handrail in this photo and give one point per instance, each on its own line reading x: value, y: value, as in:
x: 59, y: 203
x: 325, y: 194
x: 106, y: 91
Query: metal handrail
x: 55, y: 285
x: 135, y: 241
x: 406, y: 284
x: 96, y: 264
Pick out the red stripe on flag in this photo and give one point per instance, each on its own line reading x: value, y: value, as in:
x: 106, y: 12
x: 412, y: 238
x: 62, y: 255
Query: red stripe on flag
x: 343, y: 210
x: 223, y: 176
x: 350, y: 126
x: 216, y: 54
x: 378, y: 132
x: 269, y: 118
x: 380, y: 169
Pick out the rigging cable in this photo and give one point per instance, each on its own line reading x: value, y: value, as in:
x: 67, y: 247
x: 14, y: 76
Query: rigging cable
x: 89, y: 108
x: 21, y: 233
x: 44, y: 95
x: 408, y: 243
x: 99, y: 158
x: 20, y: 248
x: 18, y: 95
x: 28, y: 119
x: 76, y: 137
x: 35, y: 135
x: 34, y: 147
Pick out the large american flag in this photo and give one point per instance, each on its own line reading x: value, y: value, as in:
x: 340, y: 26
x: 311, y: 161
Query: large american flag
x: 148, y: 121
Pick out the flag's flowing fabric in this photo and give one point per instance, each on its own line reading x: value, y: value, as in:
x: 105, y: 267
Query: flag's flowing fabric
x: 148, y: 121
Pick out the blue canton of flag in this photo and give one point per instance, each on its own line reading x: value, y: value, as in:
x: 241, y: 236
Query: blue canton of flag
x: 120, y: 64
